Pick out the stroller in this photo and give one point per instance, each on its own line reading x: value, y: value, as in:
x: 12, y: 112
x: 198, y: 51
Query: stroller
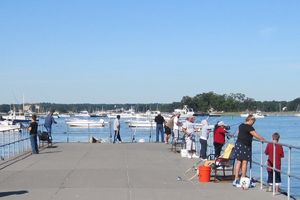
x: 44, y: 137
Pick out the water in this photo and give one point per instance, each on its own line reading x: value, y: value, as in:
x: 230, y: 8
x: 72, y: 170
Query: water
x: 287, y: 126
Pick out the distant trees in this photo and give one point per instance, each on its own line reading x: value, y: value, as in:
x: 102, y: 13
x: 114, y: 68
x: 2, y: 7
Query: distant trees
x: 201, y: 102
x: 233, y: 103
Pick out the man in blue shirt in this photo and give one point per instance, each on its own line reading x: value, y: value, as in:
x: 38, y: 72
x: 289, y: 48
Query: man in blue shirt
x: 49, y: 120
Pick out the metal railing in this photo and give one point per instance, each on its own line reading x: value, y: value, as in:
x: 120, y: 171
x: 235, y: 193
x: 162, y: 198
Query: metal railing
x: 263, y: 166
x: 14, y: 142
x: 286, y: 169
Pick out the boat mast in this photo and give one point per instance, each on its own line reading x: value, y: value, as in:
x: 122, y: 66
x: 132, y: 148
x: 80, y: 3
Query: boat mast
x: 23, y: 105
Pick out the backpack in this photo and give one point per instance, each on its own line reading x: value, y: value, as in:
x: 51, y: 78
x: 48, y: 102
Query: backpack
x: 170, y: 122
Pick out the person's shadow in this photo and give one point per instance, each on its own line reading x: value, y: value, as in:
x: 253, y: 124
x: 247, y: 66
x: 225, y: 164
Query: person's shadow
x: 4, y: 194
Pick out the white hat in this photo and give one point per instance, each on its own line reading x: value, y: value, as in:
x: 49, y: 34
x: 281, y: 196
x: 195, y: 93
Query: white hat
x: 190, y: 115
x: 221, y: 123
x: 158, y: 112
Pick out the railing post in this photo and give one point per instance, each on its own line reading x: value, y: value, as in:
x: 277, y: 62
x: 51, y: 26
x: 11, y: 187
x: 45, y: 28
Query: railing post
x: 273, y: 168
x: 67, y: 134
x: 89, y: 135
x: 261, y: 165
x: 8, y: 156
x: 14, y: 142
x: 110, y: 134
x: 289, y: 174
x: 3, y: 148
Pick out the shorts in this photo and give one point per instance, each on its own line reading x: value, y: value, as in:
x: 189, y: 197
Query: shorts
x: 242, y: 152
x: 167, y: 130
x: 277, y: 177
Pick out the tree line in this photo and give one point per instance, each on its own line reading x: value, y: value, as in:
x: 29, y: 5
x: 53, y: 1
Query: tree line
x: 200, y: 103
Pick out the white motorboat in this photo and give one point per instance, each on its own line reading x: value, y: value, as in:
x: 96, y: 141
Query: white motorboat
x: 83, y: 113
x: 8, y: 125
x: 63, y: 115
x: 16, y: 118
x: 257, y: 115
x: 142, y: 123
x: 124, y: 114
x: 85, y: 123
x: 185, y: 111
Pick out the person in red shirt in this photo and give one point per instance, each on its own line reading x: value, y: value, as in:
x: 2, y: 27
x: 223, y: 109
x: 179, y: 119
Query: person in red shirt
x: 219, y: 138
x: 278, y: 155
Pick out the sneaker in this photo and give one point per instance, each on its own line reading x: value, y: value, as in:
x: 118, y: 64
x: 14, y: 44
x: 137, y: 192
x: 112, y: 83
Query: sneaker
x: 236, y: 183
x: 269, y: 189
x: 195, y: 156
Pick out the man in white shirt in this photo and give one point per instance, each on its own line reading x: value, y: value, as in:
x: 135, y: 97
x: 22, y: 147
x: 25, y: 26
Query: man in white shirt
x: 203, y: 138
x: 117, y: 129
x: 176, y: 127
x: 189, y: 132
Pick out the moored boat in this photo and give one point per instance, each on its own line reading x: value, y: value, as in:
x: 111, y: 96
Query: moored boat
x: 85, y: 123
x: 142, y: 123
x: 83, y: 113
x: 185, y: 111
x: 257, y: 115
x: 8, y: 125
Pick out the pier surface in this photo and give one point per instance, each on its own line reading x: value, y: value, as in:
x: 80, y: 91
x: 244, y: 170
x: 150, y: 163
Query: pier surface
x: 112, y: 171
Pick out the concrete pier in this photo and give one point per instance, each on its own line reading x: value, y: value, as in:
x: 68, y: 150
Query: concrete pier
x: 112, y: 171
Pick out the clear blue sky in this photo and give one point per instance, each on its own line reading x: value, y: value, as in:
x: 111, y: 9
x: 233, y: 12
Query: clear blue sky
x: 144, y: 51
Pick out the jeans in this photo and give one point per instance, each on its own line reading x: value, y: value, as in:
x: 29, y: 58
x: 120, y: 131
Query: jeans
x: 34, y: 144
x: 218, y: 149
x: 117, y: 136
x: 48, y: 129
x: 159, y: 128
x: 203, y: 148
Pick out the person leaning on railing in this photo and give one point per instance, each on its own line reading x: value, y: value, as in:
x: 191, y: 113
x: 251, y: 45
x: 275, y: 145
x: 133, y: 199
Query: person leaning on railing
x: 278, y: 155
x: 33, y: 128
x: 243, y: 147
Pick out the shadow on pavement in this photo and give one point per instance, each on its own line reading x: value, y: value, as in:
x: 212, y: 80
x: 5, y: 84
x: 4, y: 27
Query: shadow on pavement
x: 4, y: 194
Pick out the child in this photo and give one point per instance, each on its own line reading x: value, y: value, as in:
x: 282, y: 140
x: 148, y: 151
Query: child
x: 33, y: 128
x: 278, y: 155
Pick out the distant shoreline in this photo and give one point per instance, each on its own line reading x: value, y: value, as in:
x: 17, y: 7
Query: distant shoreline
x: 264, y: 113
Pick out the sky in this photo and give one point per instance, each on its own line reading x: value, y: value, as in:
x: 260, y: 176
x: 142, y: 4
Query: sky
x: 147, y: 51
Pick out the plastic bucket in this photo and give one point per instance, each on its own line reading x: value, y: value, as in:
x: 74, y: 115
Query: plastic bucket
x: 204, y: 173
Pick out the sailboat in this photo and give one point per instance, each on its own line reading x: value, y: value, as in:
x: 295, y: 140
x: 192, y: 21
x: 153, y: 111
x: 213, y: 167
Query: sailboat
x: 297, y: 114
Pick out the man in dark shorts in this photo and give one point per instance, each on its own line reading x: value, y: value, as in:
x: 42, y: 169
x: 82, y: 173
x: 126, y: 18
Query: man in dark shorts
x: 168, y: 133
x: 243, y: 147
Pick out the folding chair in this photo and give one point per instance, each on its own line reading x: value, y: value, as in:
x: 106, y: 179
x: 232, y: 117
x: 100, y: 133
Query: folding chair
x: 222, y: 164
x: 180, y: 141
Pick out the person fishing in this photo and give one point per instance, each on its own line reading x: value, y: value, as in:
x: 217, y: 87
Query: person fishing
x: 243, y: 148
x: 219, y: 137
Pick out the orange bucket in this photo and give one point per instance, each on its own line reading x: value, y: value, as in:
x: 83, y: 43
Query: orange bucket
x: 204, y: 173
